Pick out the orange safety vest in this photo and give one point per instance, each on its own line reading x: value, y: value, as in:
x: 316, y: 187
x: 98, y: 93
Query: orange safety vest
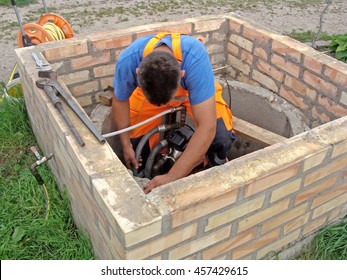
x: 141, y: 109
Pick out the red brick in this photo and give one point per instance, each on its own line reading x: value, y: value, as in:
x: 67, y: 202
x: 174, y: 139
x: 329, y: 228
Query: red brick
x: 286, y: 51
x: 85, y: 88
x: 66, y: 51
x: 311, y: 94
x: 235, y: 26
x: 296, y: 223
x: 144, y: 33
x: 265, y: 80
x: 329, y: 195
x: 295, y: 85
x: 241, y: 41
x: 284, y: 218
x: 89, y: 61
x: 233, y: 49
x: 270, y: 70
x: 246, y: 56
x: 271, y: 180
x: 228, y: 245
x: 315, y: 190
x: 255, y: 35
x: 320, y: 84
x: 260, y: 52
x: 326, y: 170
x: 321, y: 117
x: 106, y: 82
x: 239, y: 65
x: 208, y: 25
x: 336, y: 203
x: 104, y: 70
x: 184, y: 28
x: 339, y: 149
x: 336, y: 75
x: 332, y: 107
x: 204, y: 208
x: 263, y: 215
x: 291, y: 97
x: 261, y: 242
x: 315, y: 225
x: 286, y: 65
x: 313, y: 64
x: 112, y: 43
x: 278, y: 244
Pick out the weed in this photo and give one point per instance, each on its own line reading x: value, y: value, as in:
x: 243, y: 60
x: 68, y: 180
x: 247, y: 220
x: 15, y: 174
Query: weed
x: 339, y: 46
x: 308, y: 36
x: 24, y: 232
x: 18, y: 2
x: 329, y: 244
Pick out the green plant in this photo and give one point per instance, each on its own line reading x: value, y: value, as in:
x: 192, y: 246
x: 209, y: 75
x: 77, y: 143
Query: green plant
x: 339, y: 46
x: 24, y: 231
x: 18, y: 2
x: 308, y: 36
x: 329, y: 244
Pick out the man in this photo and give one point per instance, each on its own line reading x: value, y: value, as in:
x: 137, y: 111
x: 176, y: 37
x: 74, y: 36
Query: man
x: 161, y: 71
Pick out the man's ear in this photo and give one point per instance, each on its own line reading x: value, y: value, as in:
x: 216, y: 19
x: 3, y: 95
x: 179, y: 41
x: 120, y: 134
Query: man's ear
x: 137, y: 71
x: 182, y: 73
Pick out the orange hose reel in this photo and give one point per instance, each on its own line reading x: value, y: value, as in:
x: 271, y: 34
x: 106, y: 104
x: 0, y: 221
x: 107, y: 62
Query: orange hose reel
x: 58, y: 21
x: 37, y: 34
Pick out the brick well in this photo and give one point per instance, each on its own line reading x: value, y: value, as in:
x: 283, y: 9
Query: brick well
x: 249, y: 208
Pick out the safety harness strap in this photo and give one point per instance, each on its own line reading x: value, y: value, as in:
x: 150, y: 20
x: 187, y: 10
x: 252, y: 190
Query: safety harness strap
x: 176, y: 44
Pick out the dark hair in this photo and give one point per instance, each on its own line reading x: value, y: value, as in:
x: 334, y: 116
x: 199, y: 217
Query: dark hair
x: 159, y: 76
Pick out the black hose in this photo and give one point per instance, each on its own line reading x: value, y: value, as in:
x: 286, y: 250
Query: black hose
x: 141, y: 144
x: 149, y: 164
x: 145, y: 138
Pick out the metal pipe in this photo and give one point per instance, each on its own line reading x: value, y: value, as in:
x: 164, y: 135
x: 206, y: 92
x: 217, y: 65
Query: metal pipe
x: 117, y: 132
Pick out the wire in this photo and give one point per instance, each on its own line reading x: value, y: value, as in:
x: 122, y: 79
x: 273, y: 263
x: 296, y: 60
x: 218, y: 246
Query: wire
x: 313, y: 44
x: 13, y: 73
x: 48, y: 202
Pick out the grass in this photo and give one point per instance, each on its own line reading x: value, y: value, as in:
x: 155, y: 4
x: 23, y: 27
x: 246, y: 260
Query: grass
x: 329, y: 244
x: 24, y: 231
x: 26, y: 234
x: 7, y: 3
x: 308, y: 36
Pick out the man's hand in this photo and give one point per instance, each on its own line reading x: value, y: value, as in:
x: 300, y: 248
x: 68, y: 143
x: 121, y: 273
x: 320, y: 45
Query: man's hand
x: 158, y: 181
x: 129, y: 157
x: 120, y: 111
x: 205, y: 118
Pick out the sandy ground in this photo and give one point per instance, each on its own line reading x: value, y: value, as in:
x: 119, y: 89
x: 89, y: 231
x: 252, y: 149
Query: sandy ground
x: 87, y: 17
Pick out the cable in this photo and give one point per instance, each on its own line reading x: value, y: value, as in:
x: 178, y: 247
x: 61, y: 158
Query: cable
x: 313, y: 44
x: 48, y: 201
x: 13, y: 73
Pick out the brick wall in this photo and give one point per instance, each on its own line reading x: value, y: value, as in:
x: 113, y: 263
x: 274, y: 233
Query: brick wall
x: 308, y: 79
x: 246, y: 209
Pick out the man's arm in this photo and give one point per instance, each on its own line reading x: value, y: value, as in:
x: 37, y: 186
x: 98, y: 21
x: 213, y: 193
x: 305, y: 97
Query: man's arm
x: 121, y: 117
x: 205, y: 119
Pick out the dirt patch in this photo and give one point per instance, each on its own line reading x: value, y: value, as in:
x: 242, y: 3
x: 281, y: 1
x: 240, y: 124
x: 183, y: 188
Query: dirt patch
x: 86, y: 17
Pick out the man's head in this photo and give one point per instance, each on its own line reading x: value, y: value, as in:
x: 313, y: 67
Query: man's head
x: 159, y: 77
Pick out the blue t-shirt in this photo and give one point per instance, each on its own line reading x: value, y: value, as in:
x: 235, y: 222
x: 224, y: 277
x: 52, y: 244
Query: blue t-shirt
x: 198, y: 78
